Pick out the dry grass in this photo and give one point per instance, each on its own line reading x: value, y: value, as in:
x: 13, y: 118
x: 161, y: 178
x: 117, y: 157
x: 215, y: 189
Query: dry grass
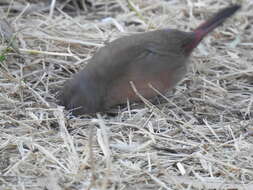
x: 201, y: 138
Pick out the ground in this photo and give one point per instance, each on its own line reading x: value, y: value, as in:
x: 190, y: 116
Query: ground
x: 199, y: 137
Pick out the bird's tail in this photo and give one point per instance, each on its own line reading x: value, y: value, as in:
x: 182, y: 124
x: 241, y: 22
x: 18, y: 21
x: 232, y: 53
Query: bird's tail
x: 217, y: 19
x: 209, y: 25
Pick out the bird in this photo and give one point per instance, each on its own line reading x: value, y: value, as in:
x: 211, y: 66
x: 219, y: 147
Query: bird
x: 158, y: 58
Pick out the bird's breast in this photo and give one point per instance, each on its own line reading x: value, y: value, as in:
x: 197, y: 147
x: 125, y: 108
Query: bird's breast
x: 120, y: 90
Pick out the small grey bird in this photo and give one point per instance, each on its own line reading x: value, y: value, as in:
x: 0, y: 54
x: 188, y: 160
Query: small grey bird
x: 159, y: 58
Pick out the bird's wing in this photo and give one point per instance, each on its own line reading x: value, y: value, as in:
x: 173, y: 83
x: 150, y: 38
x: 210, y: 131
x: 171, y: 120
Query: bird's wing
x: 141, y: 50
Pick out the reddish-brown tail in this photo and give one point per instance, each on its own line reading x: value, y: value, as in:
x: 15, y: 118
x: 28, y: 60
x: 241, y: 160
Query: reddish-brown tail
x: 217, y: 19
x: 210, y: 25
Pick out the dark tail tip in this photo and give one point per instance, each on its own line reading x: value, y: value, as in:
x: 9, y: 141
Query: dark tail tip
x: 218, y: 18
x: 210, y: 25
